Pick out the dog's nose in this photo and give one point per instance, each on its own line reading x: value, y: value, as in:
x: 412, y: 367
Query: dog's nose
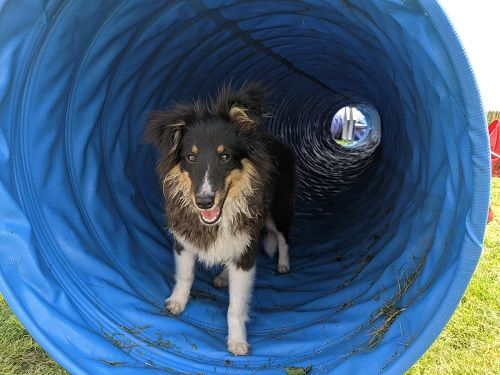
x: 205, y: 201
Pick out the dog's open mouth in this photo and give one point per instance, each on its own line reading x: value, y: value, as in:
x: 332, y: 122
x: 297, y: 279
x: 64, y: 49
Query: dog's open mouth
x: 210, y: 216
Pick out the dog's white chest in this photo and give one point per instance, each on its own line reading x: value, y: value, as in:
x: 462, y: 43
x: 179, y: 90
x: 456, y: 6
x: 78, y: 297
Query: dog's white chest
x: 227, y: 247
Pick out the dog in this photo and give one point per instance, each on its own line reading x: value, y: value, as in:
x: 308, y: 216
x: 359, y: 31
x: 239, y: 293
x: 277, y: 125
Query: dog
x: 226, y: 184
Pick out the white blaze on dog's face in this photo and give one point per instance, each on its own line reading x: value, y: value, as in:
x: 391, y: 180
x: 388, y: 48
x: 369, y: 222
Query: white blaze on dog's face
x: 212, y: 155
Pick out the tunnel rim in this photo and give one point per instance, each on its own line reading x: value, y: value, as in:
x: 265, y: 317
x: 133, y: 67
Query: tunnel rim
x: 462, y: 270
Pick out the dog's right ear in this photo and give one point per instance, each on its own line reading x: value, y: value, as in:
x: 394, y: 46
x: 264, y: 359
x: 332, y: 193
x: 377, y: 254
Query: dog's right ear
x: 245, y: 107
x: 165, y: 128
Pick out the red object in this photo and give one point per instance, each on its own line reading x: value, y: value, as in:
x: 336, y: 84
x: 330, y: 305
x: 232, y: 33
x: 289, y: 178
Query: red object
x: 494, y: 130
x: 490, y: 214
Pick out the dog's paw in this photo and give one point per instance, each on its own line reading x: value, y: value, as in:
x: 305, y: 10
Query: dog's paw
x: 220, y: 282
x: 238, y: 348
x: 283, y: 268
x: 175, y: 307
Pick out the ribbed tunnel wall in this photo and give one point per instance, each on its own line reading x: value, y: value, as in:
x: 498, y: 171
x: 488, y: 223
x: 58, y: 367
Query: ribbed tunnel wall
x: 386, y: 235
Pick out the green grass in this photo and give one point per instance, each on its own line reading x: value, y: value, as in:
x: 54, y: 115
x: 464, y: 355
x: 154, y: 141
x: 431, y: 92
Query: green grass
x: 19, y: 353
x: 470, y: 343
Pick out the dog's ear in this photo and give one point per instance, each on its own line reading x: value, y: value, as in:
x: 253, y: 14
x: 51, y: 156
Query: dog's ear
x: 245, y: 107
x: 165, y: 128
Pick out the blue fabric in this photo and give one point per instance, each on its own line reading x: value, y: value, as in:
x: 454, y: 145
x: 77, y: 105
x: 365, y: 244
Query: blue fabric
x: 381, y: 254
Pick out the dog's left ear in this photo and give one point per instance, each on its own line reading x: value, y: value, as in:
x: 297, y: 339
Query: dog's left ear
x: 245, y: 107
x: 165, y: 129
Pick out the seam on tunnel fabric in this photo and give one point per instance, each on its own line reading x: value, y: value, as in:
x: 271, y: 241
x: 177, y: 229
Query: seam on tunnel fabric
x: 234, y: 28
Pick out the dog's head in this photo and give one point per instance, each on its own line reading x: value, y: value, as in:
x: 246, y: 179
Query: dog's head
x: 204, y: 148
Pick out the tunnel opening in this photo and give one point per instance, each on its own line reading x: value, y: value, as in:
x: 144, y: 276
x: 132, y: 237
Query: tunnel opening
x: 380, y: 229
x: 352, y: 125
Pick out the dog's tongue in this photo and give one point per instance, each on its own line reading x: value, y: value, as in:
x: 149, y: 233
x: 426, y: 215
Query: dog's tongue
x: 210, y: 215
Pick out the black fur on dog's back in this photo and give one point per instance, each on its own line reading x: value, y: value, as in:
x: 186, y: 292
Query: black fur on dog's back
x: 284, y: 187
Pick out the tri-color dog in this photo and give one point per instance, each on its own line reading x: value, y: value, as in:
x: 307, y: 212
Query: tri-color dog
x: 225, y: 183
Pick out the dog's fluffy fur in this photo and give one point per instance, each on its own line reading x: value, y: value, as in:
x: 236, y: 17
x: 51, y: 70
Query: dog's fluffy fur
x: 225, y: 182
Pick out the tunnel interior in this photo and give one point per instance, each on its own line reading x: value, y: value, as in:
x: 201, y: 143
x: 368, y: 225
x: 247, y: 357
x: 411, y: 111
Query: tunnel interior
x: 379, y: 231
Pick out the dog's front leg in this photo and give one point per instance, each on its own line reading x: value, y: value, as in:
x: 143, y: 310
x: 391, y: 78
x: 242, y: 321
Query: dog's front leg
x: 241, y: 280
x: 185, y: 262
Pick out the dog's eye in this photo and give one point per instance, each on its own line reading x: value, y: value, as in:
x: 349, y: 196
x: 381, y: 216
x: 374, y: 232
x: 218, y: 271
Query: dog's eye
x: 191, y: 158
x: 224, y: 157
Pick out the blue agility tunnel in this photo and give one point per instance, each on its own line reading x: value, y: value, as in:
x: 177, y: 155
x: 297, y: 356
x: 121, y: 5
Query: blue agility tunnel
x: 387, y: 233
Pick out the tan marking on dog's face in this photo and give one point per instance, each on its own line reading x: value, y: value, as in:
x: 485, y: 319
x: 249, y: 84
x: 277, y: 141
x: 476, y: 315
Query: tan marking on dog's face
x: 239, y: 187
x: 239, y: 181
x: 178, y: 184
x: 218, y: 199
x: 186, y: 181
x: 194, y: 149
x: 220, y: 149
